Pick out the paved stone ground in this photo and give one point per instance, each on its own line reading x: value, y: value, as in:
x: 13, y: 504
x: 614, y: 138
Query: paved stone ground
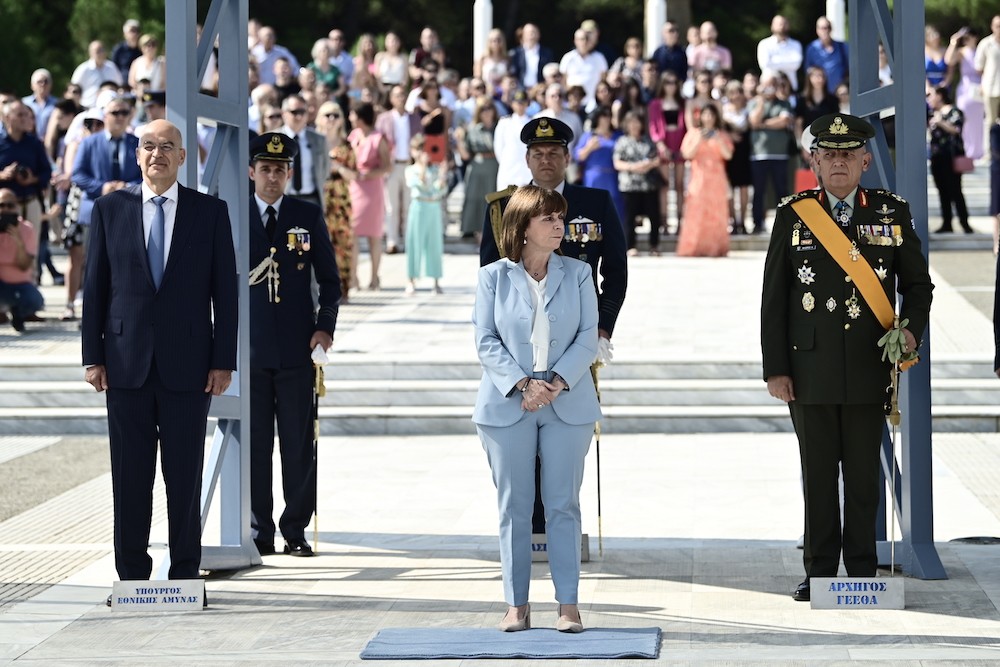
x: 698, y: 529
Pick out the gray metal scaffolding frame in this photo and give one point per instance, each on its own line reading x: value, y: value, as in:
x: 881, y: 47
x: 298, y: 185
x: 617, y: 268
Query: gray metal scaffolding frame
x: 227, y: 467
x: 901, y: 33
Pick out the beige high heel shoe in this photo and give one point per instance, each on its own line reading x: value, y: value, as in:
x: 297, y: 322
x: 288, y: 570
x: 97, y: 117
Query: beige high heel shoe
x: 517, y: 624
x: 564, y: 624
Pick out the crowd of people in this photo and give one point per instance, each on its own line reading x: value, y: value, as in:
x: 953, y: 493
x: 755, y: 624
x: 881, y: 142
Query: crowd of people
x: 638, y: 123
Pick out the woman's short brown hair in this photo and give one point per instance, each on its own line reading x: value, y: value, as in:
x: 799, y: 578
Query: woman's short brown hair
x: 526, y: 203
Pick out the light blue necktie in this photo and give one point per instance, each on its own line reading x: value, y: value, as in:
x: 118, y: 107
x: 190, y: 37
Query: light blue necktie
x: 843, y: 217
x: 154, y: 249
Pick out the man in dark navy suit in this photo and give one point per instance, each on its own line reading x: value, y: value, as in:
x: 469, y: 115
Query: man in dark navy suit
x: 159, y: 334
x: 529, y: 57
x: 594, y: 233
x: 289, y: 243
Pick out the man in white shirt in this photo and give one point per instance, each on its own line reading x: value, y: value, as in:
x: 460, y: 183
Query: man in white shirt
x: 507, y: 145
x: 91, y: 73
x: 528, y: 58
x: 583, y: 67
x: 398, y: 126
x: 779, y: 52
x: 311, y: 164
x: 988, y: 66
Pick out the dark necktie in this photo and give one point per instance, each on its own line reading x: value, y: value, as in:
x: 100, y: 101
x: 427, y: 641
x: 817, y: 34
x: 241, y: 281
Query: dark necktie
x: 843, y: 217
x: 297, y: 169
x: 154, y: 249
x: 272, y: 222
x: 116, y: 165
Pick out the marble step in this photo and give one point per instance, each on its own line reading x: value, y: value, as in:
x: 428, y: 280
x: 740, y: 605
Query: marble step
x: 452, y: 420
x: 459, y: 393
x: 362, y: 367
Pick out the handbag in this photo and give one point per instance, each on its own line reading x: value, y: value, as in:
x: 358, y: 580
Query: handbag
x: 962, y: 164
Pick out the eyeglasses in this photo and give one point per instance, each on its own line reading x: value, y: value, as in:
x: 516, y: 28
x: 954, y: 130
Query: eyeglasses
x: 119, y: 112
x: 296, y: 112
x: 273, y: 116
x: 165, y: 149
x: 333, y: 114
x: 8, y: 205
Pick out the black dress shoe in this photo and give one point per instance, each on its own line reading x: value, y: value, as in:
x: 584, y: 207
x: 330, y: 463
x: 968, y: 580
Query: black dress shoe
x: 801, y: 593
x: 298, y: 547
x: 17, y: 322
x: 264, y: 548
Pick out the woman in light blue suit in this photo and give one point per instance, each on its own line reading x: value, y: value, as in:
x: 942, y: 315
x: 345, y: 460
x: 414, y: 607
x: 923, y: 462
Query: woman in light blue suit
x: 536, y: 332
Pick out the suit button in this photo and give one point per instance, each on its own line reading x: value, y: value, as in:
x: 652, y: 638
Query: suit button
x: 847, y: 326
x: 795, y: 347
x: 552, y: 318
x: 552, y: 344
x: 847, y: 279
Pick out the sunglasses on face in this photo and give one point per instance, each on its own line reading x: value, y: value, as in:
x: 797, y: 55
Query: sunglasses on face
x: 333, y: 114
x: 119, y: 112
x: 273, y: 116
x: 8, y: 205
x: 296, y: 112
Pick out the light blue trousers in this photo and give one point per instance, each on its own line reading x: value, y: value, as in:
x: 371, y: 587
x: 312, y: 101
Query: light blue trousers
x: 511, y: 451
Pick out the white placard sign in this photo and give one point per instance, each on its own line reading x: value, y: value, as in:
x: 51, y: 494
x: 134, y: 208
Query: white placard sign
x: 169, y: 595
x: 856, y: 593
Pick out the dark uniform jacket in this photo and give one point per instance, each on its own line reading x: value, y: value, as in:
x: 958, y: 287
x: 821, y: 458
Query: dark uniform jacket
x: 280, y: 330
x: 591, y: 214
x: 807, y: 331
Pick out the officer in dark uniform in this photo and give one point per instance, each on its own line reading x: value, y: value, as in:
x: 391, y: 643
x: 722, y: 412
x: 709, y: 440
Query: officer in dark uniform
x: 832, y: 250
x: 289, y: 244
x: 594, y: 233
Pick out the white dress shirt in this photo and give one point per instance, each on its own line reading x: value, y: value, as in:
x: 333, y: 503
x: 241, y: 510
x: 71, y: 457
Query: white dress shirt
x: 782, y: 55
x: 401, y: 136
x: 510, y: 152
x: 169, y: 213
x: 531, y: 56
x: 305, y: 164
x: 539, y: 324
x: 262, y: 208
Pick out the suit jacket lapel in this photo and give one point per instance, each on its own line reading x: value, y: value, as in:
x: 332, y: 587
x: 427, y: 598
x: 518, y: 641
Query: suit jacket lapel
x: 136, y: 232
x: 555, y: 275
x: 183, y: 224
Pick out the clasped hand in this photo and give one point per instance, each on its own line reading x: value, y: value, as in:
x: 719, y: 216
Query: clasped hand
x: 538, y: 394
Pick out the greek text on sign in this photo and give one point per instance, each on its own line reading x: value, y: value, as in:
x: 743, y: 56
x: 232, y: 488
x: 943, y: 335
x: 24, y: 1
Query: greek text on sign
x: 856, y: 593
x: 169, y: 595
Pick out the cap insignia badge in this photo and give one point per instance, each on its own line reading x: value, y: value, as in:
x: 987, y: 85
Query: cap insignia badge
x: 544, y: 130
x: 275, y: 146
x: 838, y: 126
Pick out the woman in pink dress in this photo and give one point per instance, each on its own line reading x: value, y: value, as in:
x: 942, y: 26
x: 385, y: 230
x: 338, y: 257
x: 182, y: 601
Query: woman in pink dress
x: 667, y: 130
x: 706, y: 217
x: 371, y: 152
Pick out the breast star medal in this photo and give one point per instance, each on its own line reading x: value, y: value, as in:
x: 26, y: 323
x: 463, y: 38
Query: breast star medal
x: 854, y: 252
x: 806, y: 275
x: 853, y: 309
x: 831, y: 304
x: 881, y: 272
x: 808, y: 302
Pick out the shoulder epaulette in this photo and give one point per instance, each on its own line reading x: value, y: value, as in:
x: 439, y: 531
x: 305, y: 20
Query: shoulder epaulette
x: 500, y: 194
x: 889, y: 193
x: 797, y: 196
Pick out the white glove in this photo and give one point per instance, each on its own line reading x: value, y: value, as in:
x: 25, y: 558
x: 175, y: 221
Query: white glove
x: 605, y: 351
x: 319, y: 357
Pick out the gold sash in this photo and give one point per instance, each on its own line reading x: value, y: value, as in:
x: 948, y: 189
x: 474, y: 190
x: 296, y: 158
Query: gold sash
x: 840, y: 248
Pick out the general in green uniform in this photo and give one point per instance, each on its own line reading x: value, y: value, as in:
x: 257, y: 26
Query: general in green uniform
x: 819, y: 335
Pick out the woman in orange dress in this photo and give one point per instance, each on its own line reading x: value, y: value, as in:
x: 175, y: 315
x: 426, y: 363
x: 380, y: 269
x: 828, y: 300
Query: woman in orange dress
x: 705, y: 232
